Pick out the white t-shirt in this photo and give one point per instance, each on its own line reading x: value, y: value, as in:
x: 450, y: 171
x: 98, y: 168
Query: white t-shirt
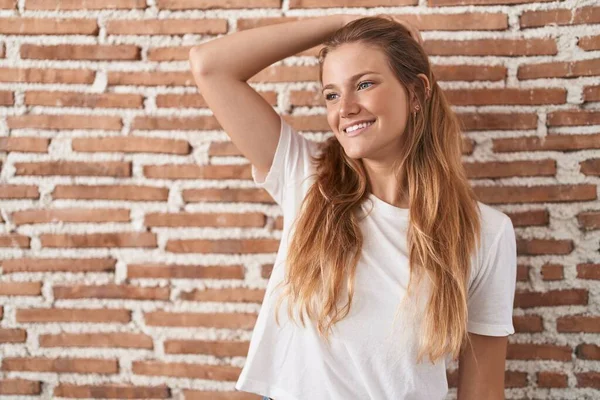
x: 369, y: 356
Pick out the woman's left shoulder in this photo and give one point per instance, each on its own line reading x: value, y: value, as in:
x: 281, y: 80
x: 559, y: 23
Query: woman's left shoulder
x: 494, y: 223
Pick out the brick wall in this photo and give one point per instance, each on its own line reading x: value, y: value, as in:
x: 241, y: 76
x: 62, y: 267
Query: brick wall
x: 135, y: 249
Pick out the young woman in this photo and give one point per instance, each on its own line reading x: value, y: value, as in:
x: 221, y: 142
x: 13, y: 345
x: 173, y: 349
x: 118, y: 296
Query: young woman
x: 388, y: 266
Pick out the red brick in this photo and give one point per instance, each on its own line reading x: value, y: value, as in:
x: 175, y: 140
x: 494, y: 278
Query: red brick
x: 573, y: 117
x: 190, y: 100
x: 206, y: 26
x: 195, y: 171
x: 589, y: 43
x: 111, y: 291
x: 14, y: 240
x: 528, y: 323
x: 500, y: 169
x: 590, y: 167
x: 588, y: 351
x: 111, y: 192
x: 551, y: 298
x: 120, y: 391
x: 224, y: 246
x: 225, y: 295
x: 74, y: 168
x: 19, y: 192
x: 480, y: 2
x: 20, y: 288
x: 151, y: 78
x: 562, y: 143
x: 495, y: 121
x: 101, y: 240
x: 64, y: 5
x: 61, y: 365
x: 578, y: 323
x: 589, y: 220
x: 558, y: 17
x: 64, y: 122
x: 215, y: 4
x: 24, y: 144
x: 170, y: 53
x: 591, y: 93
x: 50, y: 215
x: 48, y: 26
x: 6, y: 98
x: 491, y: 47
x: 588, y: 379
x: 255, y: 219
x: 79, y: 315
x: 18, y: 386
x: 535, y: 194
x: 552, y: 272
x: 544, y: 246
x: 185, y: 271
x: 102, y: 340
x: 88, y: 100
x: 14, y: 265
x: 552, y: 379
x: 175, y: 123
x: 132, y: 144
x: 464, y: 97
x: 226, y: 195
x: 530, y: 351
x: 523, y: 273
x: 529, y: 218
x: 588, y: 271
x: 81, y: 52
x: 355, y: 3
x: 558, y: 69
x: 266, y: 271
x: 217, y: 348
x: 513, y: 379
x: 186, y: 370
x: 47, y: 75
x: 12, y: 335
x: 214, y: 320
x: 9, y: 5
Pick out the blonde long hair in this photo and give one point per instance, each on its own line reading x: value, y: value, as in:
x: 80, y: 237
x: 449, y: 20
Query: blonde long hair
x: 444, y: 216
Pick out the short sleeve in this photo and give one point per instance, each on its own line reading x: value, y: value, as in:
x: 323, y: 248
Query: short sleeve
x: 291, y: 163
x: 492, y: 292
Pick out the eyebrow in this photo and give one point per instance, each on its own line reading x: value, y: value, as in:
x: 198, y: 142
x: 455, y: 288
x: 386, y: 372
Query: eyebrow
x: 352, y: 78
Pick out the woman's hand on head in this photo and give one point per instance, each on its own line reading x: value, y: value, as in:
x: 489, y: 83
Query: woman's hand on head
x: 414, y: 32
x: 347, y: 18
x: 412, y: 29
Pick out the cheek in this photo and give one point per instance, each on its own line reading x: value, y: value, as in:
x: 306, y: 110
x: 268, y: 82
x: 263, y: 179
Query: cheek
x: 332, y: 122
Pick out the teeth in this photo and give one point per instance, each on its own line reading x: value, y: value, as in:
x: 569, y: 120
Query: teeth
x: 359, y: 126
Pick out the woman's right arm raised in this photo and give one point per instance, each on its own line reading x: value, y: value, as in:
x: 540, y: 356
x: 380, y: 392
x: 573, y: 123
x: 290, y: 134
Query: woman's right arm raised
x: 222, y: 66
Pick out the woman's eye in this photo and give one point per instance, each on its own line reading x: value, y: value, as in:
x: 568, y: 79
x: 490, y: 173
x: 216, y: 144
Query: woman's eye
x: 359, y: 85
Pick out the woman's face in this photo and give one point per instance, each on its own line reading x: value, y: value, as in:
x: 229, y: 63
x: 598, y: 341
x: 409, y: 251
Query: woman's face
x: 375, y: 96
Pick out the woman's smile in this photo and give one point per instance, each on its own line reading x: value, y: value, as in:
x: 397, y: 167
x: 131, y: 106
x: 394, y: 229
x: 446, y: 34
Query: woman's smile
x: 360, y: 130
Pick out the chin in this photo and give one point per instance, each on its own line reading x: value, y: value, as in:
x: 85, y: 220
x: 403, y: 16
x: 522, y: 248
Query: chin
x: 355, y: 154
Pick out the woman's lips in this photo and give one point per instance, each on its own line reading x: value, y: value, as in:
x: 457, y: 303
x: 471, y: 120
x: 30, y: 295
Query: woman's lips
x: 359, y: 131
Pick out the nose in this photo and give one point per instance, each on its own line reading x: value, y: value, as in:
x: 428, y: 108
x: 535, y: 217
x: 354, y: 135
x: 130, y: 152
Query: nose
x: 348, y: 105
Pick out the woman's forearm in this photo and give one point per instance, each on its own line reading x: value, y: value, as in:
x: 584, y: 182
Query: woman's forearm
x: 244, y: 54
